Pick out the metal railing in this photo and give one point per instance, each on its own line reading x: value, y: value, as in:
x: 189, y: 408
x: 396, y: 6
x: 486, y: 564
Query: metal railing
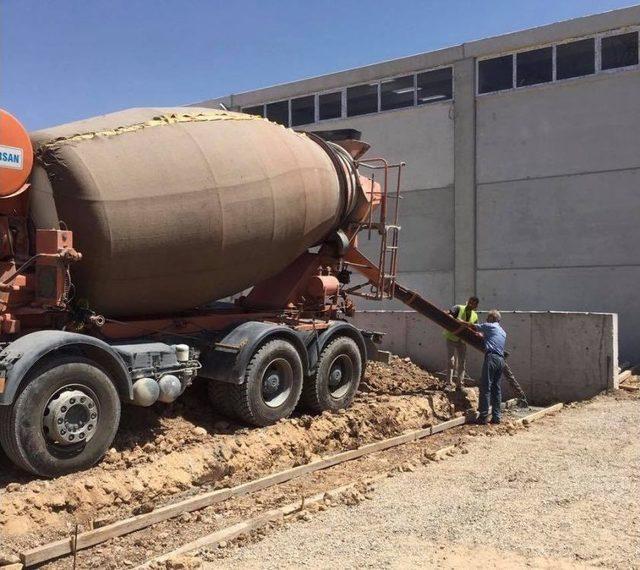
x: 383, y: 217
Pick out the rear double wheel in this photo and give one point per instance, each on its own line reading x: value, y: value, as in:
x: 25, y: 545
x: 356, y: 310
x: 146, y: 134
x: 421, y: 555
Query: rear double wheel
x: 337, y: 378
x: 271, y: 387
x: 64, y: 418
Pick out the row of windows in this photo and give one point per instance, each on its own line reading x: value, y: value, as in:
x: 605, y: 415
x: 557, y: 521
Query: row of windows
x: 561, y: 61
x: 396, y: 93
x: 532, y: 67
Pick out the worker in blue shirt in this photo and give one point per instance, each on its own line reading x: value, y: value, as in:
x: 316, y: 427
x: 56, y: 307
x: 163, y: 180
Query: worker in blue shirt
x: 492, y: 367
x: 494, y: 340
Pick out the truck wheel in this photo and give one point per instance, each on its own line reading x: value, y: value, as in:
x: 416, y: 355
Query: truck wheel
x: 63, y: 420
x: 337, y: 379
x: 272, y: 384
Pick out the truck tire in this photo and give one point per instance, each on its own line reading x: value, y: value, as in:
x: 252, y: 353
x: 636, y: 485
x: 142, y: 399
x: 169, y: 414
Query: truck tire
x: 272, y: 384
x: 64, y: 418
x: 337, y: 378
x: 221, y: 396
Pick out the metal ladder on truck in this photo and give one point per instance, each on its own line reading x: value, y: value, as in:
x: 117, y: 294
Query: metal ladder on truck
x: 385, y: 223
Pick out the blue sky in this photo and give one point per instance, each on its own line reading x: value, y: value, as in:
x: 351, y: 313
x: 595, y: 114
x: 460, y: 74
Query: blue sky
x: 68, y: 59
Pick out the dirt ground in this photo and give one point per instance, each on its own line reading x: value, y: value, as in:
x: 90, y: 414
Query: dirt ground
x: 561, y: 494
x: 167, y: 453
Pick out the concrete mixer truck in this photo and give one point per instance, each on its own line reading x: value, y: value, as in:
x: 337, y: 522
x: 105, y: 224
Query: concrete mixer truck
x: 121, y: 236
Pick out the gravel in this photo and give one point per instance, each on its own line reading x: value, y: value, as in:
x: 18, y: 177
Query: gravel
x: 561, y: 494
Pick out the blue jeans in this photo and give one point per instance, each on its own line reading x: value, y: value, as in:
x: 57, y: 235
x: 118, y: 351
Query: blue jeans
x: 490, y: 391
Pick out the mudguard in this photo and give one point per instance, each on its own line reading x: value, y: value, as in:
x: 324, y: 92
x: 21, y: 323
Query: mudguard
x: 341, y: 328
x: 17, y: 358
x: 227, y: 361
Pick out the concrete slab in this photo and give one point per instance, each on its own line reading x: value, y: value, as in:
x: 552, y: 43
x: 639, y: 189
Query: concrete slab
x: 571, y: 356
x: 564, y: 221
x: 427, y: 234
x: 401, y: 135
x: 579, y: 126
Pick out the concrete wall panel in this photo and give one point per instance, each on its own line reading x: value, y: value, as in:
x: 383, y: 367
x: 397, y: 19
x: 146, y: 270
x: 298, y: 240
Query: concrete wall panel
x: 585, y: 125
x: 426, y: 237
x: 392, y: 323
x: 560, y: 222
x: 603, y: 289
x: 420, y: 136
x: 437, y: 286
x: 575, y: 347
x: 554, y: 356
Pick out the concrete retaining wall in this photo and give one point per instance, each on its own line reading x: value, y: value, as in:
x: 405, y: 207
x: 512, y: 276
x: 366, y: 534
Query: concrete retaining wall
x: 555, y: 356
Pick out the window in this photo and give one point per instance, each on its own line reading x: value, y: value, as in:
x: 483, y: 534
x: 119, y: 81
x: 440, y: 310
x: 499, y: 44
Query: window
x: 397, y: 93
x: 576, y: 59
x: 330, y: 106
x: 362, y: 99
x: 303, y: 110
x: 434, y: 85
x: 278, y: 112
x: 495, y: 74
x: 535, y: 66
x: 620, y: 51
x: 257, y: 110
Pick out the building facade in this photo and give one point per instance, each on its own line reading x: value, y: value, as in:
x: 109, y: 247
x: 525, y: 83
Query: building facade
x: 522, y: 182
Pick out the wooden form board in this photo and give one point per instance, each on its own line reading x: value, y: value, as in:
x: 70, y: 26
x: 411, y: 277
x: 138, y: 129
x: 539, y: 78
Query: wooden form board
x: 119, y: 528
x: 540, y: 414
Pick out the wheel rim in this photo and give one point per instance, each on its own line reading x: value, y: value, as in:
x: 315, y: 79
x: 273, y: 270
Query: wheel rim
x: 71, y: 416
x: 277, y: 383
x: 340, y: 376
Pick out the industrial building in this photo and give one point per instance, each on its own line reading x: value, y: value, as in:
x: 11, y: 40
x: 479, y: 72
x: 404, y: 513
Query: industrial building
x: 522, y: 182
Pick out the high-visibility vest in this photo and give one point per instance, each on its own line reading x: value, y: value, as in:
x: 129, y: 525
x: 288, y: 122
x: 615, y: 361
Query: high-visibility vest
x: 468, y: 315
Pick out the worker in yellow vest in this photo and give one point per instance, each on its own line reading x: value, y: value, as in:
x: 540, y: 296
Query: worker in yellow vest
x: 456, y: 348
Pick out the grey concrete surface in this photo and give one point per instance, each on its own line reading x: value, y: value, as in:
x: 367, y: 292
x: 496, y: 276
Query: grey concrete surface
x: 556, y: 357
x: 587, y: 124
x: 587, y: 226
x: 560, y: 495
x: 427, y: 221
x: 420, y: 136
